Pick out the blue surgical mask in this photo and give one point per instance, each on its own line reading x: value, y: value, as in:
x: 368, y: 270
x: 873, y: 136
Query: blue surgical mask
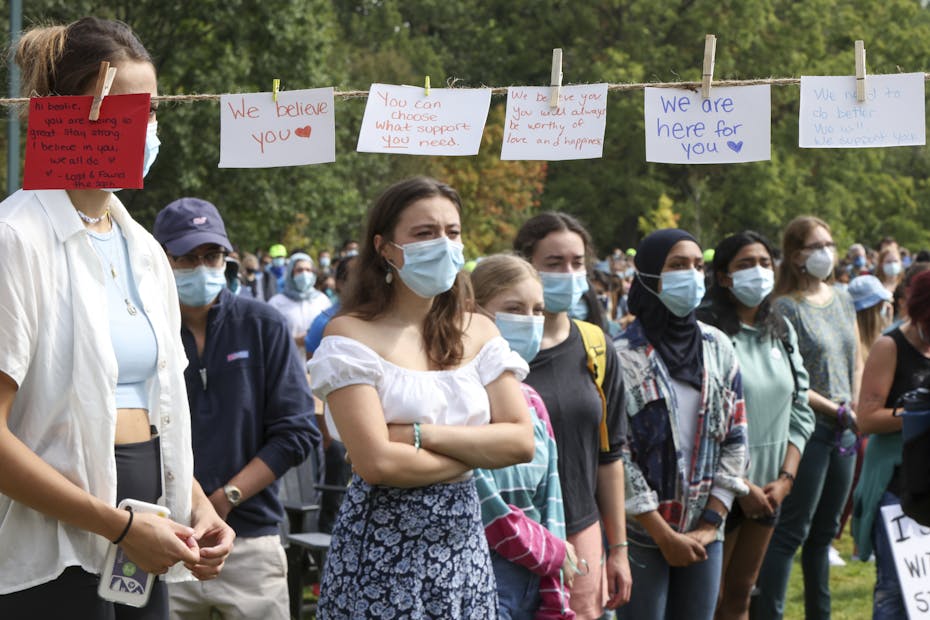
x: 351, y: 253
x: 859, y: 261
x: 523, y: 332
x: 682, y: 290
x: 151, y: 147
x: 752, y: 285
x: 278, y: 261
x: 151, y: 152
x: 906, y: 261
x: 430, y: 266
x: 304, y: 281
x: 579, y: 309
x: 200, y: 286
x: 325, y: 261
x: 561, y: 291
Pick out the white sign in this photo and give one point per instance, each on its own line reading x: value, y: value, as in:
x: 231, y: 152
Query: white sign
x: 733, y: 126
x: 257, y: 132
x: 404, y: 120
x: 573, y: 130
x: 910, y: 545
x: 892, y: 114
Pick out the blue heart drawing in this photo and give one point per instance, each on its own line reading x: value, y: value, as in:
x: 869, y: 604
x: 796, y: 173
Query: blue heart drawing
x: 736, y: 147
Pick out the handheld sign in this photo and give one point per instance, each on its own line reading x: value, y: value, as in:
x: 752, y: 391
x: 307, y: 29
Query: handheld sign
x: 572, y: 130
x: 65, y: 150
x: 733, y: 126
x: 892, y: 114
x: 296, y: 129
x: 404, y: 120
x: 910, y: 546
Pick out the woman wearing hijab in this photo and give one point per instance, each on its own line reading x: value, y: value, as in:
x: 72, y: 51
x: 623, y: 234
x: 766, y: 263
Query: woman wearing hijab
x: 685, y: 456
x: 299, y: 302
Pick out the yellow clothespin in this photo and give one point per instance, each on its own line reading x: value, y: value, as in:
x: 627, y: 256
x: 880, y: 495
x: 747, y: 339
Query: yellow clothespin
x: 555, y: 80
x: 707, y: 75
x: 426, y: 86
x: 860, y: 71
x: 275, y: 87
x: 105, y: 79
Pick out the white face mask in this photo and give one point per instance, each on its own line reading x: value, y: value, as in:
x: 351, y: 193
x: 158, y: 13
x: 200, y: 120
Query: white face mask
x: 820, y: 263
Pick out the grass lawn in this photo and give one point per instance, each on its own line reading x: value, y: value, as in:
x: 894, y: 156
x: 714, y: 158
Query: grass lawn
x: 850, y: 586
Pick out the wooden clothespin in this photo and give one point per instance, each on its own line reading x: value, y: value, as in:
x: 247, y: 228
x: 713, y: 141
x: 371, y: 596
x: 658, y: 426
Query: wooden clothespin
x: 426, y: 86
x: 707, y: 75
x: 556, y: 78
x: 104, y: 82
x: 860, y: 71
x: 275, y: 87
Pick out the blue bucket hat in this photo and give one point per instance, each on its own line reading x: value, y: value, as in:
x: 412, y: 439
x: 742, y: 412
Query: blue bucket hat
x: 866, y: 291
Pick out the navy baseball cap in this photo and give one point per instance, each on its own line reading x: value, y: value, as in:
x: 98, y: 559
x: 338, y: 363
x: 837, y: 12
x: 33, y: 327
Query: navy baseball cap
x: 187, y: 223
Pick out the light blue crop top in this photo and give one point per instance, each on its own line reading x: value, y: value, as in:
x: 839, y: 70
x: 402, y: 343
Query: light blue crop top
x: 130, y: 330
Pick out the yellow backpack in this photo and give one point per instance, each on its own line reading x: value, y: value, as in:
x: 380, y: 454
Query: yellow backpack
x: 595, y: 346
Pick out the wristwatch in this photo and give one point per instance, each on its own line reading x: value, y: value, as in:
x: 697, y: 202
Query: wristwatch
x: 233, y: 494
x: 712, y: 516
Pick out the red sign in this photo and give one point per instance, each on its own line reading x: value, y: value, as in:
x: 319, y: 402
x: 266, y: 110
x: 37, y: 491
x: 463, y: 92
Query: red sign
x: 64, y: 150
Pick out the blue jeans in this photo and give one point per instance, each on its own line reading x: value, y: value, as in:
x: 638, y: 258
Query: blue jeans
x: 810, y: 516
x: 517, y: 590
x: 888, y: 603
x: 663, y: 592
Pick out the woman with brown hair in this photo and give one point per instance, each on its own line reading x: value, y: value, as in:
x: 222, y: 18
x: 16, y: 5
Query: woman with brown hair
x: 93, y: 404
x: 825, y: 321
x: 411, y: 381
x: 587, y: 418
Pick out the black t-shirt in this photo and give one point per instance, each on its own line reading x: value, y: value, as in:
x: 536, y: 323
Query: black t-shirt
x: 560, y: 375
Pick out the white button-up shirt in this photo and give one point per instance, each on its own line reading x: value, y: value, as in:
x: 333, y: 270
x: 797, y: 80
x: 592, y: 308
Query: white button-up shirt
x: 55, y: 344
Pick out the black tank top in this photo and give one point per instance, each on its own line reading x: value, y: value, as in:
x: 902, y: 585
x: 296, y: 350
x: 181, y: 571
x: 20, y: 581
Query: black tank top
x: 911, y: 371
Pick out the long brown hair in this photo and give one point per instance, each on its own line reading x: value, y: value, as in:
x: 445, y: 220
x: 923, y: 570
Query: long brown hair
x: 64, y: 60
x: 871, y: 324
x: 790, y: 275
x: 369, y: 295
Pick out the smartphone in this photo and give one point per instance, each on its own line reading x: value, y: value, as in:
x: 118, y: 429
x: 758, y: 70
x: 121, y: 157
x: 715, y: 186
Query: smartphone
x: 121, y: 581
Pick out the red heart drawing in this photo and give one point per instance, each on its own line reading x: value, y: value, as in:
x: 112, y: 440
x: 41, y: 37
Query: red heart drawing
x: 303, y: 132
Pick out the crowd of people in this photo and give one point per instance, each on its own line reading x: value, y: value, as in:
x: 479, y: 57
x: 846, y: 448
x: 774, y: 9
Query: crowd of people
x: 532, y: 434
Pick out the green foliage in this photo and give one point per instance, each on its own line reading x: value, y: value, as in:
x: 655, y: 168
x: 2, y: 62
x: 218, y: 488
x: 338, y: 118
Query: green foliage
x: 214, y: 46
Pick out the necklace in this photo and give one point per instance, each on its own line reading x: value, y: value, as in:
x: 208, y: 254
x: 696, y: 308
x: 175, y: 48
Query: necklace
x: 92, y: 220
x: 117, y: 237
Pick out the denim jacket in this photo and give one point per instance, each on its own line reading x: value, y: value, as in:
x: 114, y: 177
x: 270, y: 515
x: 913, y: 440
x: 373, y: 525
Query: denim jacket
x: 657, y: 478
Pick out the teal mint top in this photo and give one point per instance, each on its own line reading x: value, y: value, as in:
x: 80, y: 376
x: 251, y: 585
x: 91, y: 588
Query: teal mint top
x: 131, y: 333
x: 775, y: 413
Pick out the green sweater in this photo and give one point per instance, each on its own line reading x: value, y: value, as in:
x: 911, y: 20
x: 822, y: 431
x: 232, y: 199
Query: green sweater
x: 775, y: 414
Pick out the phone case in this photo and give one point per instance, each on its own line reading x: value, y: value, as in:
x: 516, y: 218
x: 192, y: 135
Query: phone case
x: 121, y: 581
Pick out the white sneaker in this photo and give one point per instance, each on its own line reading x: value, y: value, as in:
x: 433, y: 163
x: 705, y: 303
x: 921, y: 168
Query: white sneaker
x: 835, y: 558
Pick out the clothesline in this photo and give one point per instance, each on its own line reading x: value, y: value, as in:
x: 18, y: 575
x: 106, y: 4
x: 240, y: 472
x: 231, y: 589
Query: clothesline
x: 497, y: 90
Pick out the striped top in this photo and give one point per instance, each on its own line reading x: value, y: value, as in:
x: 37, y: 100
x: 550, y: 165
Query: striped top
x: 523, y: 516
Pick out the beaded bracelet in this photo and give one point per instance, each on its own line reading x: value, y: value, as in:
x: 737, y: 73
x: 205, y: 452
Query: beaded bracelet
x: 120, y: 538
x: 416, y: 436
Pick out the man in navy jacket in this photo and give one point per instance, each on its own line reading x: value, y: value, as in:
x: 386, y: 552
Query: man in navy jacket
x: 251, y: 415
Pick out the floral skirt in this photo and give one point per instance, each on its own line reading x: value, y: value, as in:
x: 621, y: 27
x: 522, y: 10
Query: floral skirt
x: 408, y: 553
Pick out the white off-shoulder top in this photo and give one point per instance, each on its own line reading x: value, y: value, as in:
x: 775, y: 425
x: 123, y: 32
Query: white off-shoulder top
x: 451, y: 397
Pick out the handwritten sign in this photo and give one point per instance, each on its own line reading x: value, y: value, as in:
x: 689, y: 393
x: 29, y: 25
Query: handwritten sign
x: 404, y: 120
x: 573, y: 130
x: 64, y: 150
x: 892, y: 114
x: 733, y: 126
x: 297, y: 130
x: 910, y: 546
